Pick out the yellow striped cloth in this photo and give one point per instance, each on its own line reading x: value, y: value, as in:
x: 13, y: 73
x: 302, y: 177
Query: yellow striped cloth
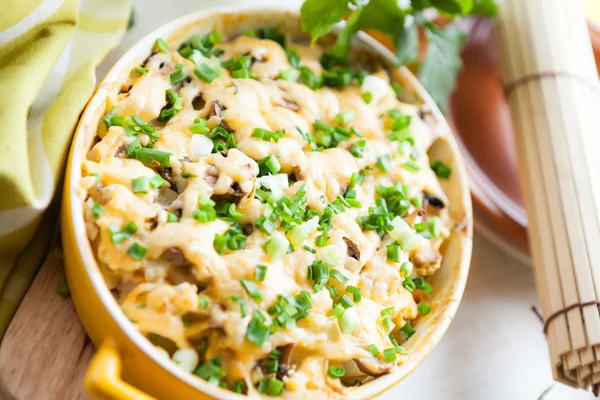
x: 48, y: 53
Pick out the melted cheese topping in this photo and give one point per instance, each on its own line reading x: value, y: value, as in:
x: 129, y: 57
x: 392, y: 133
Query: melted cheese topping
x: 183, y: 291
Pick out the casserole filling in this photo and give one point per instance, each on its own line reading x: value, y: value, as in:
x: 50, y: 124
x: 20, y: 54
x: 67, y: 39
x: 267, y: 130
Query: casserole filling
x: 267, y: 217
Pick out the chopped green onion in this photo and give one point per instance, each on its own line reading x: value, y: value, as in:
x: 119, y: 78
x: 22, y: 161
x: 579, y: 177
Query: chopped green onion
x: 396, y: 86
x: 356, y: 293
x: 434, y: 226
x: 394, y: 253
x: 239, y: 387
x: 140, y: 185
x: 386, y: 311
x: 387, y: 323
x: 346, y: 117
x: 293, y: 57
x: 345, y: 301
x: 117, y: 236
x: 358, y: 148
x: 212, y: 369
x: 277, y: 247
x: 242, y: 303
x: 202, y: 301
x: 257, y: 331
x: 290, y: 75
x: 206, y: 209
x: 332, y: 255
x: 404, y: 234
x: 411, y: 166
x: 260, y: 272
x: 297, y: 235
x: 171, y: 217
x: 200, y: 125
x: 161, y: 45
x: 390, y: 354
x: 141, y: 70
x: 155, y: 158
x: 384, y: 163
x: 137, y: 251
x: 267, y: 135
x: 336, y: 373
x: 252, y: 289
x: 97, y: 210
x: 417, y: 202
x: 332, y: 291
x: 440, y: 169
x: 321, y: 240
x: 337, y: 275
x: 270, y: 387
x: 111, y: 119
x: 157, y: 182
x: 271, y: 33
x: 422, y: 285
x: 174, y: 105
x: 407, y: 330
x: 424, y: 308
x: 206, y: 72
x: 309, y: 249
x: 406, y: 268
x: 373, y: 349
x: 269, y: 164
x: 178, y: 75
x: 271, y: 366
x: 367, y: 97
x: 265, y: 225
x: 308, y: 77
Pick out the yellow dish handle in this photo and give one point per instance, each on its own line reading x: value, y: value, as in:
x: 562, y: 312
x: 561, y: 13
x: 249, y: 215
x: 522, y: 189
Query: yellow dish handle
x: 103, y: 378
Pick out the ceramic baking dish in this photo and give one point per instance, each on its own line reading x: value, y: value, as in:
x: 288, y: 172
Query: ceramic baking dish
x: 127, y: 366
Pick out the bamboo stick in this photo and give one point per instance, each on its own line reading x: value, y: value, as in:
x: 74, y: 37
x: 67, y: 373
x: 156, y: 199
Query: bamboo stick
x: 554, y: 96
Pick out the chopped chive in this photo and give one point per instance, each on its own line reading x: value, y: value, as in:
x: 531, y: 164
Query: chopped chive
x: 97, y: 210
x: 373, y: 349
x: 260, y: 272
x: 200, y: 125
x: 407, y: 330
x: 346, y: 117
x: 171, y: 217
x: 389, y: 354
x: 257, y: 331
x: 179, y: 75
x: 202, y: 301
x: 440, y: 169
x: 242, y: 304
x: 206, y: 73
x: 309, y: 249
x: 137, y: 251
x: 161, y: 45
x: 394, y: 253
x: 270, y: 387
x: 424, y: 308
x: 140, y: 185
x: 336, y: 373
x: 252, y: 289
x: 384, y: 163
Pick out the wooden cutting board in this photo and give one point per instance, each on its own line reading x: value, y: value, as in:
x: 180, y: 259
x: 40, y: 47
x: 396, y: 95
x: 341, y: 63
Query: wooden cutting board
x: 45, y: 351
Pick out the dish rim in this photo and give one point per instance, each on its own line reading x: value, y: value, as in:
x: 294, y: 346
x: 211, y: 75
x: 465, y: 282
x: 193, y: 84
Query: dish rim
x: 85, y: 252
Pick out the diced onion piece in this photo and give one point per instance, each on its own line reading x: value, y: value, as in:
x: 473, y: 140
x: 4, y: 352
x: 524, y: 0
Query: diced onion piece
x: 311, y: 225
x: 186, y: 359
x: 332, y: 255
x: 402, y: 233
x: 275, y: 183
x: 349, y: 320
x: 277, y: 247
x: 162, y: 352
x: 376, y: 86
x: 297, y: 235
x: 200, y: 146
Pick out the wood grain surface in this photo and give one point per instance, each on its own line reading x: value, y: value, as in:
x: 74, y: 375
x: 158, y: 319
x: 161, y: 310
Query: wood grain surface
x: 45, y: 352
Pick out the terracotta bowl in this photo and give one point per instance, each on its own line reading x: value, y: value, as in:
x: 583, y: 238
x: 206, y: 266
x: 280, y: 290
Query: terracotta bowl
x: 481, y: 120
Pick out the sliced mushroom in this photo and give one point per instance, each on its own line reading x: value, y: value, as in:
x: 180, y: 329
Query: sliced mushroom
x: 175, y: 256
x: 248, y: 229
x: 291, y: 105
x: 353, y: 250
x: 433, y: 201
x: 166, y: 174
x: 285, y: 360
x: 371, y: 367
x: 151, y: 223
x: 120, y: 152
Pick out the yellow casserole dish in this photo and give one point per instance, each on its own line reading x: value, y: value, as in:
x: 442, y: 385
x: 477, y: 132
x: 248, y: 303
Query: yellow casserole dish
x: 127, y: 365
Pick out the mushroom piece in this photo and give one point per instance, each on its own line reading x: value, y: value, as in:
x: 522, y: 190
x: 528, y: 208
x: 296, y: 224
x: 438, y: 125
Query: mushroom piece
x: 371, y: 367
x: 120, y: 152
x: 433, y: 201
x: 216, y: 111
x: 284, y: 360
x: 353, y: 250
x: 175, y: 256
x: 166, y: 174
x: 198, y: 102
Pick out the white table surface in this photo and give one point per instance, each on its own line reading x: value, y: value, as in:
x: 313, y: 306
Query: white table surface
x: 495, y: 348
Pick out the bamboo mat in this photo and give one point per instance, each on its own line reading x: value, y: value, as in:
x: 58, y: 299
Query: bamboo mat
x: 553, y: 91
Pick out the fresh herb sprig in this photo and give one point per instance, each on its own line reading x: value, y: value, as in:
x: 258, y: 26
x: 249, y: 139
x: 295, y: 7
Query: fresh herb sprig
x: 401, y: 21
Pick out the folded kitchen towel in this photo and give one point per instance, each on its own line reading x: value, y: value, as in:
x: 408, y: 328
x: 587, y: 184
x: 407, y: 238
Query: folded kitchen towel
x: 48, y: 53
